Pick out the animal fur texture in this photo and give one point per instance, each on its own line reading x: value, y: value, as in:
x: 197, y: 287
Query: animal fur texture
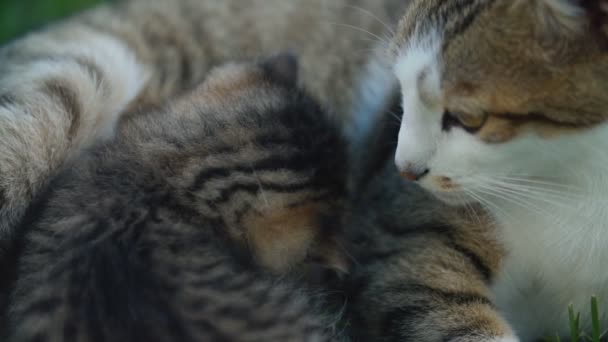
x: 187, y: 223
x: 505, y: 107
x: 134, y: 55
x: 503, y: 120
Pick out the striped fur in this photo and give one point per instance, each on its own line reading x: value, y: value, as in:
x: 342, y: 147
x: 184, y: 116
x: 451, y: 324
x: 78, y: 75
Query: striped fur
x: 135, y: 54
x: 422, y: 271
x: 176, y: 229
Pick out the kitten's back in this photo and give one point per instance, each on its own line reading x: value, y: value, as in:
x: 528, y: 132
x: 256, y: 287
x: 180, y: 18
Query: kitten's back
x: 187, y: 225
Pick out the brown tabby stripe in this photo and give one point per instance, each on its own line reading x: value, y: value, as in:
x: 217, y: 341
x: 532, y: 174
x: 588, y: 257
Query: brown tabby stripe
x: 426, y: 292
x: 445, y: 234
x: 92, y: 69
x: 298, y: 162
x: 474, y: 259
x: 68, y: 98
x: 406, y: 318
x: 452, y: 17
x: 255, y: 186
x: 467, y: 16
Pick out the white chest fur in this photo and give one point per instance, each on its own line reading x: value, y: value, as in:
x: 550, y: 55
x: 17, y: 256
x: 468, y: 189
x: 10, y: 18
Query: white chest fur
x: 557, y: 255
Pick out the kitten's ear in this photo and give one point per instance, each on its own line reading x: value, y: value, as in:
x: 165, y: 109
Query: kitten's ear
x: 283, y: 68
x: 571, y: 17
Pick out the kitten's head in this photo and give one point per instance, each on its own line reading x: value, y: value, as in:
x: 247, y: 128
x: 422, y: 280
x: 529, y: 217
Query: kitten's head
x: 498, y: 91
x: 267, y: 160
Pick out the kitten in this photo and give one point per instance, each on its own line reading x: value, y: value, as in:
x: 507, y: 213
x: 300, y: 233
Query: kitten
x: 64, y: 87
x: 178, y: 228
x: 505, y: 108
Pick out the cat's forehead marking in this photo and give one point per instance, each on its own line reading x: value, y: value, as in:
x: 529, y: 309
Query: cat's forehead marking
x: 450, y: 17
x: 418, y: 67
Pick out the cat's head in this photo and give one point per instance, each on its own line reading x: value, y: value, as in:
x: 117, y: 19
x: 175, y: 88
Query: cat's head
x: 499, y: 91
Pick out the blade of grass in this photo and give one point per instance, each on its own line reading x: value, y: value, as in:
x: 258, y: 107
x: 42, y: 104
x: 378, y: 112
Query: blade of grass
x: 555, y: 338
x: 574, y: 324
x: 595, y: 320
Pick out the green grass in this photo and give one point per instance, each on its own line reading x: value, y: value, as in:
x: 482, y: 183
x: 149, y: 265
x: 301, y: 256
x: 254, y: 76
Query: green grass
x: 577, y: 334
x: 19, y: 16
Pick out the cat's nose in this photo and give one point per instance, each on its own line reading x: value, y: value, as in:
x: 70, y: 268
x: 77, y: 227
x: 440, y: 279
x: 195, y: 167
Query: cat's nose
x: 413, y: 173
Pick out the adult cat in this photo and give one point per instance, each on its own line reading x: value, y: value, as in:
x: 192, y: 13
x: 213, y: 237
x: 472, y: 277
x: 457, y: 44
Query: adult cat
x: 505, y: 105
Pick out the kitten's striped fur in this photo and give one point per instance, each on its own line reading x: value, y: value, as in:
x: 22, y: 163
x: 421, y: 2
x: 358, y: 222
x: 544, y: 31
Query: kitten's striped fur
x: 175, y: 229
x: 130, y: 55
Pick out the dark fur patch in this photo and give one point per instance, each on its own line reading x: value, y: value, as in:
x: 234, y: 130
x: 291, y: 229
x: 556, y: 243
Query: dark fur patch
x: 7, y: 100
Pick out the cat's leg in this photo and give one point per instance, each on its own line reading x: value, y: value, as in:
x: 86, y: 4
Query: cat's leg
x: 423, y: 296
x: 418, y: 278
x: 59, y: 92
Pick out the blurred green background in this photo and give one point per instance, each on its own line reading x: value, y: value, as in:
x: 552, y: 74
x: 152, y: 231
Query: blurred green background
x: 19, y: 16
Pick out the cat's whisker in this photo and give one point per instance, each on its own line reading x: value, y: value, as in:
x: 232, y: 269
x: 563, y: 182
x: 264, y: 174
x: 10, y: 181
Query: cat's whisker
x: 472, y: 212
x: 507, y: 193
x: 371, y: 48
x: 541, y: 189
x: 261, y: 187
x: 533, y: 181
x: 535, y: 190
x: 525, y: 198
x: 394, y: 115
x: 356, y: 28
x: 371, y: 14
x: 531, y: 196
x: 486, y: 202
x: 528, y: 176
x: 517, y: 201
x: 499, y: 208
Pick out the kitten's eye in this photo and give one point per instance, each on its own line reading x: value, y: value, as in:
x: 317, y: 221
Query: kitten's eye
x: 469, y: 122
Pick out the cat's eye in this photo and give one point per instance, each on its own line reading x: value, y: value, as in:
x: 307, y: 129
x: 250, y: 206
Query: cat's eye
x: 469, y: 122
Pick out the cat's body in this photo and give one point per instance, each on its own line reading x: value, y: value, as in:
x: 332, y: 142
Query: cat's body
x: 177, y: 228
x: 499, y: 98
x: 132, y: 55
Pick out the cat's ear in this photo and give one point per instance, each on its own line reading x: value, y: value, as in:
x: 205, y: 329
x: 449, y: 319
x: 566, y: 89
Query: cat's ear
x: 282, y: 68
x: 571, y: 17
